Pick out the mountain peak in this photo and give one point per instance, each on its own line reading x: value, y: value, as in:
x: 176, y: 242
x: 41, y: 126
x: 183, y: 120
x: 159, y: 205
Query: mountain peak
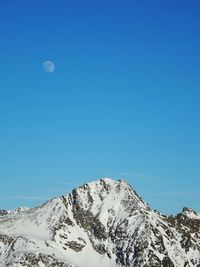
x: 107, y: 193
x: 190, y: 213
x: 108, y: 182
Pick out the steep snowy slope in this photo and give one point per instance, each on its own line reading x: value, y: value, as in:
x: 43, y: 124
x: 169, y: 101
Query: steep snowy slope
x: 103, y: 223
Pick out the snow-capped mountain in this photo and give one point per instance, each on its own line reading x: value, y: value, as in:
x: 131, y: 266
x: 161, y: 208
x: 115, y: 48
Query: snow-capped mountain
x: 100, y: 224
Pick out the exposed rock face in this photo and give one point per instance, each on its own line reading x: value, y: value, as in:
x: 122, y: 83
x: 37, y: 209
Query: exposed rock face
x: 103, y: 223
x: 3, y: 212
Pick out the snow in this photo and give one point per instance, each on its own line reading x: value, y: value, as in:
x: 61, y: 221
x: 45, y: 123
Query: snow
x: 192, y: 215
x: 38, y: 220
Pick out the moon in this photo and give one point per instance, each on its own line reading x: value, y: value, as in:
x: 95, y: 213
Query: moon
x: 49, y: 66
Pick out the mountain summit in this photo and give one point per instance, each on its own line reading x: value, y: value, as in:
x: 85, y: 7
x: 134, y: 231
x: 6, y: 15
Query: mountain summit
x: 100, y: 224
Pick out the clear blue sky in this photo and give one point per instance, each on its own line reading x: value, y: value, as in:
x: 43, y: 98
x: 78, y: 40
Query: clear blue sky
x: 124, y: 100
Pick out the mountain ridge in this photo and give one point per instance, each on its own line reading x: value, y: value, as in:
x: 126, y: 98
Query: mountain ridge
x: 101, y: 223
